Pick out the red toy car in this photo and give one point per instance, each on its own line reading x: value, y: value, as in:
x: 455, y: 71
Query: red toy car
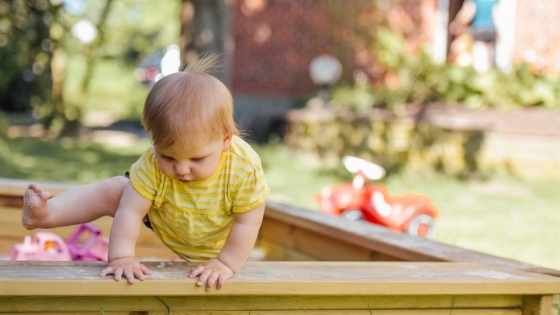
x: 411, y: 213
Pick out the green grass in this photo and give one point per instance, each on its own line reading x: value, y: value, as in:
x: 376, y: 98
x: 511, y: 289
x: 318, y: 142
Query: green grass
x: 503, y: 216
x: 65, y: 160
x: 113, y: 89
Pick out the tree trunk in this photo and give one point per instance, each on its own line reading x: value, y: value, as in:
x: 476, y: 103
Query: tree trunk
x: 54, y: 109
x: 57, y: 96
x: 72, y: 125
x: 205, y: 28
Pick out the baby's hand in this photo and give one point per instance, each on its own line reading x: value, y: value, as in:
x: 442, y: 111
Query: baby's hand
x: 210, y: 272
x: 127, y: 266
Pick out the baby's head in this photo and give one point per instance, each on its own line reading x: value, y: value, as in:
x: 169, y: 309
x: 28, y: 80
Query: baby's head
x: 190, y: 107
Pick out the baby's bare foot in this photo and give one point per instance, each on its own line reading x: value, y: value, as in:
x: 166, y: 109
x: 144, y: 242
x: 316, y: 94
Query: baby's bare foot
x: 35, y: 206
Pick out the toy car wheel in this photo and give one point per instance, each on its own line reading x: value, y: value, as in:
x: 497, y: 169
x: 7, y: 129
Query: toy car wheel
x: 423, y: 226
x: 352, y: 215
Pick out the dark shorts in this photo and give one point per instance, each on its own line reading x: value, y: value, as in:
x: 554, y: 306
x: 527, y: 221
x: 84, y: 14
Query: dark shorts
x: 488, y: 36
x: 146, y: 220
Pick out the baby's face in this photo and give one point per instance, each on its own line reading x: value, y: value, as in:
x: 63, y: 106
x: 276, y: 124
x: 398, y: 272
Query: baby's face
x: 187, y: 164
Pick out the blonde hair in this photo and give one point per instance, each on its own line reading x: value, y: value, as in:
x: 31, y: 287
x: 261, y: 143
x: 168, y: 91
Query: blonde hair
x: 189, y: 107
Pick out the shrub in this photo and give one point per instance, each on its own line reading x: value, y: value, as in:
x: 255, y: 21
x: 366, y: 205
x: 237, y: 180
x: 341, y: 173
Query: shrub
x: 418, y: 79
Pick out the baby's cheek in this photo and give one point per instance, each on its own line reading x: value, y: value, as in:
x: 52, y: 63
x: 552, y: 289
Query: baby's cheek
x: 167, y: 169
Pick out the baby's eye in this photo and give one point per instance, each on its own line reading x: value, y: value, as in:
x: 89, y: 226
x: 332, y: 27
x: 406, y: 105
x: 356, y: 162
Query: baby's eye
x: 167, y: 158
x: 197, y: 159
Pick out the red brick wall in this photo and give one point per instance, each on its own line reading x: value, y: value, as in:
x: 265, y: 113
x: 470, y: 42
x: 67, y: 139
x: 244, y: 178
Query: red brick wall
x: 537, y: 34
x: 275, y: 40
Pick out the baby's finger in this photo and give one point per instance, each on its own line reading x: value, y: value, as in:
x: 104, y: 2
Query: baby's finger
x: 196, y: 271
x: 107, y: 271
x: 145, y: 270
x: 118, y: 273
x: 203, y: 277
x: 138, y: 274
x: 221, y: 280
x: 129, y: 275
x: 211, y: 280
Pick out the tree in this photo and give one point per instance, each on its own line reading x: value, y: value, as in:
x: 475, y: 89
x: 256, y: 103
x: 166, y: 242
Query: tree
x: 34, y: 43
x: 204, y: 27
x: 25, y: 53
x: 37, y: 44
x: 72, y: 118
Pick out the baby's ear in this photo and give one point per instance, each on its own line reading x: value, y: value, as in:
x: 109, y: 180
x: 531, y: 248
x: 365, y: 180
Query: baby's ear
x: 227, y: 142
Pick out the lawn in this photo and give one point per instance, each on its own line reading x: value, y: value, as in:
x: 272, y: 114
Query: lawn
x: 502, y: 216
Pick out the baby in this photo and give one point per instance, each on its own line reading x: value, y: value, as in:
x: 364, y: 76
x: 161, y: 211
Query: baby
x: 200, y: 187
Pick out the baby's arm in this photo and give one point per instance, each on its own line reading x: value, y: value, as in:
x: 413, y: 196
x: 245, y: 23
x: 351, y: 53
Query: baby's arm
x: 124, y: 234
x: 463, y: 17
x: 237, y: 248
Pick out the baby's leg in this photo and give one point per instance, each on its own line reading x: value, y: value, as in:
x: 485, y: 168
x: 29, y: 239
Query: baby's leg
x: 78, y: 205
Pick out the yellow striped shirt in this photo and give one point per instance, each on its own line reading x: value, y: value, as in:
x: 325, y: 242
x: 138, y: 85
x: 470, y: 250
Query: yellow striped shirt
x: 194, y: 219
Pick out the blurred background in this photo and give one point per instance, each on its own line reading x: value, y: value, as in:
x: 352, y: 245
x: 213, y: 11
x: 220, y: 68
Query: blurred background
x: 467, y: 117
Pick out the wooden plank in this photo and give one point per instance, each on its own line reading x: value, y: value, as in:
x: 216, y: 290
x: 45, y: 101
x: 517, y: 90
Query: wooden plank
x: 209, y: 303
x: 144, y: 252
x: 12, y: 232
x: 353, y: 238
x: 198, y: 313
x: 17, y: 187
x: 155, y: 253
x: 61, y: 304
x: 312, y: 244
x: 10, y: 226
x: 280, y: 278
x: 239, y: 303
x: 98, y: 312
x: 537, y: 305
x: 11, y: 201
x: 357, y: 312
x: 274, y: 252
x: 384, y: 241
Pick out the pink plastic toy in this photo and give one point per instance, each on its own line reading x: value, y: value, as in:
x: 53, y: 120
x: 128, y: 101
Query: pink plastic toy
x: 42, y: 246
x: 87, y: 243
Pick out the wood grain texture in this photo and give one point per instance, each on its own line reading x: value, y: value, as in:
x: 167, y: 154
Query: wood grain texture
x: 243, y: 303
x: 311, y: 312
x: 351, y: 240
x: 11, y: 226
x: 381, y: 240
x: 17, y: 187
x: 537, y: 304
x: 437, y: 279
x: 12, y: 232
x: 279, y: 278
x: 356, y: 312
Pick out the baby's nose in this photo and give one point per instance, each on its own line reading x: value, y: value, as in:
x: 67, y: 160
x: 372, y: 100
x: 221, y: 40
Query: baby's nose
x: 182, y: 169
